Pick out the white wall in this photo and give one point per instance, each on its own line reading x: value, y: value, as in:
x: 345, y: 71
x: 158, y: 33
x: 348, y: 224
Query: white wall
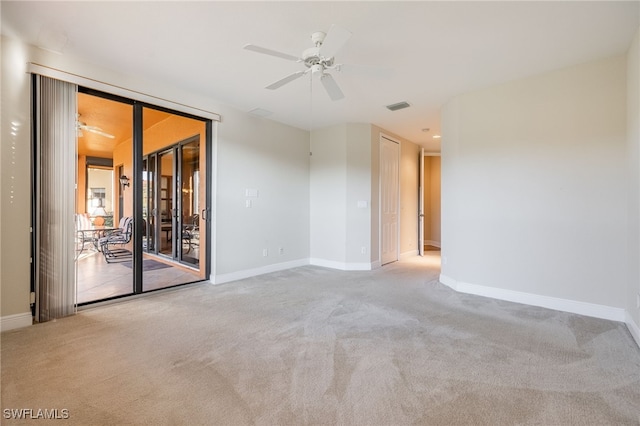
x: 358, y: 201
x: 251, y: 153
x: 534, y: 189
x: 633, y: 139
x: 328, y: 194
x: 258, y: 154
x: 340, y: 178
x: 345, y: 196
x: 15, y: 194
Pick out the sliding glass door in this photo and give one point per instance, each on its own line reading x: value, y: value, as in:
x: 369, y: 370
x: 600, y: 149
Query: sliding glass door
x: 173, y: 199
x: 141, y: 174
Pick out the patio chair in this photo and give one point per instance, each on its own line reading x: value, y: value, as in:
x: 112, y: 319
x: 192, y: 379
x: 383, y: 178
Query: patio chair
x: 190, y: 232
x: 113, y: 242
x: 84, y: 233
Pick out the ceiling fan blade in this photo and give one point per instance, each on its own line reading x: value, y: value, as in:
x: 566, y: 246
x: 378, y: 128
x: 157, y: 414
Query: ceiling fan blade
x: 97, y: 131
x: 331, y: 87
x: 106, y: 135
x: 270, y: 52
x: 101, y: 133
x: 333, y: 42
x: 287, y: 79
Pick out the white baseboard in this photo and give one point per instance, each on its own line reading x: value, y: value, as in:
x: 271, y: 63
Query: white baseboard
x: 634, y: 329
x: 343, y: 266
x: 432, y: 243
x: 566, y: 305
x: 248, y: 273
x: 11, y: 322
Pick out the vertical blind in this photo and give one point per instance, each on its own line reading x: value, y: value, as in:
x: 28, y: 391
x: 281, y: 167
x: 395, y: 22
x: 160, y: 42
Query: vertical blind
x: 55, y: 187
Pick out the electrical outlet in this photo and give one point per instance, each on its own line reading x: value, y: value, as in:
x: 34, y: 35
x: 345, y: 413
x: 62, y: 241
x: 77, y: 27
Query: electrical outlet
x: 265, y: 252
x: 281, y: 251
x: 363, y: 250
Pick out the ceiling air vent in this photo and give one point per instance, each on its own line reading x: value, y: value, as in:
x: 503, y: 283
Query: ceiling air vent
x: 399, y: 105
x: 259, y: 112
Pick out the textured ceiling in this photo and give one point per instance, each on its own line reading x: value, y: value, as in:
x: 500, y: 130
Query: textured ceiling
x: 431, y: 50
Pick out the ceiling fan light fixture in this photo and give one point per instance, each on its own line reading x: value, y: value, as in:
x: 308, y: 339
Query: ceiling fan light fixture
x: 397, y: 106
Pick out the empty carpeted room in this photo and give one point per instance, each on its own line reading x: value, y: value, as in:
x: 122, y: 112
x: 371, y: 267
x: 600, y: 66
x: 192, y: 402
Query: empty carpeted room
x: 295, y: 213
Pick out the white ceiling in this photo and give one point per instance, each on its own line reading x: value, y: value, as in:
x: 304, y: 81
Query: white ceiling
x: 433, y: 50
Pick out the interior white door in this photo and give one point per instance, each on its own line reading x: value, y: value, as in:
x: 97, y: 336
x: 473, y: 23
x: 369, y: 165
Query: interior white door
x: 389, y: 199
x: 421, y: 206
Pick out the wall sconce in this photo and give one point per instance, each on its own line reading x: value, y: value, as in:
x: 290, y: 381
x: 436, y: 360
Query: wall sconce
x: 124, y: 181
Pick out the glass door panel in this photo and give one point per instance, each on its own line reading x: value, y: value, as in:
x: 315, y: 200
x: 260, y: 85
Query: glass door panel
x: 190, y: 202
x: 104, y: 252
x: 174, y: 195
x: 167, y: 201
x: 148, y: 204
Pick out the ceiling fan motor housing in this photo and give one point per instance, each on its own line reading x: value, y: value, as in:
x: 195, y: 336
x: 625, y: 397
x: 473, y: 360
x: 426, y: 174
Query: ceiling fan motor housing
x: 311, y: 57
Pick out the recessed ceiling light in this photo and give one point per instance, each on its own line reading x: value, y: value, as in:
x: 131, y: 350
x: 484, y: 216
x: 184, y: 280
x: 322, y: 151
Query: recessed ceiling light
x: 399, y: 105
x: 436, y: 136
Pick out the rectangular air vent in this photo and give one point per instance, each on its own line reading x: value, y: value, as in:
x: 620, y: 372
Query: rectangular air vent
x: 259, y: 112
x: 399, y: 105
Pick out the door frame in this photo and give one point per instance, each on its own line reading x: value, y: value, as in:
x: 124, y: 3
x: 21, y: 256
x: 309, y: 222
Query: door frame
x: 136, y: 184
x: 421, y: 189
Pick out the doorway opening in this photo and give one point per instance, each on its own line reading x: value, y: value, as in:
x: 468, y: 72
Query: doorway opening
x: 429, y: 201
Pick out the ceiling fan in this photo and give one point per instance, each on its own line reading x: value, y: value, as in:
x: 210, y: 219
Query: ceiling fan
x: 80, y: 126
x: 317, y: 59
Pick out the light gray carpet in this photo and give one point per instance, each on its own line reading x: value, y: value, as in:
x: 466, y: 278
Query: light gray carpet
x: 316, y: 346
